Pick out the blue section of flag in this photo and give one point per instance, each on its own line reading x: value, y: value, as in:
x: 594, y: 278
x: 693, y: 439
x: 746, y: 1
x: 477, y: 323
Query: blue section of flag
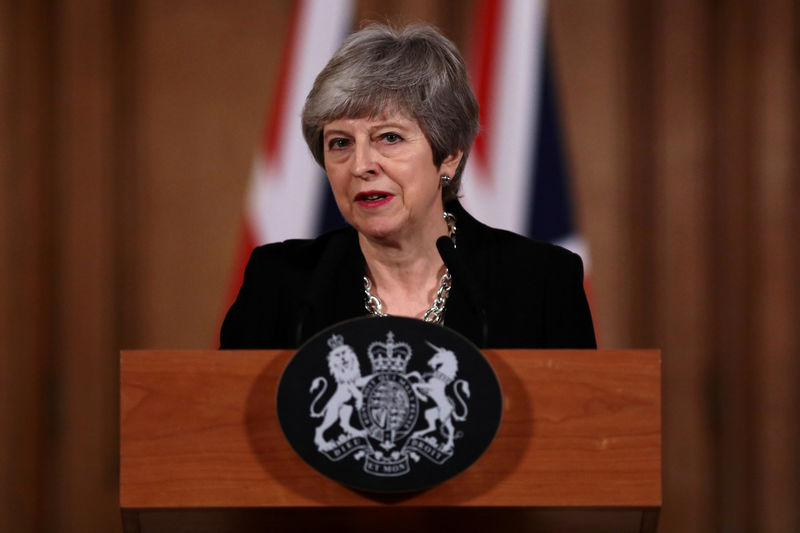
x: 550, y: 216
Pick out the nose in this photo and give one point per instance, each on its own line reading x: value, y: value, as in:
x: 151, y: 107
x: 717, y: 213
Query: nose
x: 365, y: 164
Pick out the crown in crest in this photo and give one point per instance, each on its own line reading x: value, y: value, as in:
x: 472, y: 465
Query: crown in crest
x: 334, y: 341
x: 389, y: 356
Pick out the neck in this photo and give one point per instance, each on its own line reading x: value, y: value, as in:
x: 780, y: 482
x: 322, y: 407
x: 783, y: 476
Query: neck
x: 405, y: 275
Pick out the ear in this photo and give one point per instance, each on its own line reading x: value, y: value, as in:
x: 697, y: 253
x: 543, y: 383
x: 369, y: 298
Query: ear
x: 450, y: 164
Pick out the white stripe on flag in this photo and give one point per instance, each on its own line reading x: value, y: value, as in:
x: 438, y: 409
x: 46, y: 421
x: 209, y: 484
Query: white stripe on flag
x: 500, y: 194
x: 285, y: 192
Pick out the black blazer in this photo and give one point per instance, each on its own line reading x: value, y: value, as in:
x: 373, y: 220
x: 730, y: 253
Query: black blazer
x: 508, y: 291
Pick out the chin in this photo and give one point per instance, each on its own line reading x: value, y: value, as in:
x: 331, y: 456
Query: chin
x: 377, y: 227
x: 375, y: 233
x: 377, y: 230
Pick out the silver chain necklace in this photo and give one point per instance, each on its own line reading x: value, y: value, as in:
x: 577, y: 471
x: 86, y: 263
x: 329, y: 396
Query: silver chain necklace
x: 435, y: 314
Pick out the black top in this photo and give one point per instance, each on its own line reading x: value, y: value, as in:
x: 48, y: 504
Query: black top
x: 508, y: 291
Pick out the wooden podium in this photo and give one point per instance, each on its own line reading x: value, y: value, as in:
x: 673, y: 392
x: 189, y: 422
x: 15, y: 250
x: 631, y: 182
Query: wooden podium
x: 579, y: 449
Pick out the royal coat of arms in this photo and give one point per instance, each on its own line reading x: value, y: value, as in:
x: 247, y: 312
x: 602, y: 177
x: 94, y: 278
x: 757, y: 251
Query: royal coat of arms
x: 389, y: 404
x: 376, y: 419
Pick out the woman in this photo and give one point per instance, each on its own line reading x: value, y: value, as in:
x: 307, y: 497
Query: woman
x: 391, y: 119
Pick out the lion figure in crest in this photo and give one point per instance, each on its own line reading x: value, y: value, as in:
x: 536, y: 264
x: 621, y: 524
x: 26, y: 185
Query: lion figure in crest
x: 345, y: 369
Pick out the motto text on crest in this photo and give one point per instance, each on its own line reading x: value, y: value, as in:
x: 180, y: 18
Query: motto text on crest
x: 386, y: 433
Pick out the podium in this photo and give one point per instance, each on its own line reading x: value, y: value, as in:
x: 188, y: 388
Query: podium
x: 578, y: 450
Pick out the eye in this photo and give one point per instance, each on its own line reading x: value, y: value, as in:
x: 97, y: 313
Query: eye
x: 391, y: 137
x: 338, y: 143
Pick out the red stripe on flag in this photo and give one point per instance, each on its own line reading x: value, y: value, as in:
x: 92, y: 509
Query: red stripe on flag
x: 483, y: 73
x: 272, y: 139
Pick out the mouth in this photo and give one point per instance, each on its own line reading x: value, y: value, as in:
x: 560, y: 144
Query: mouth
x: 373, y: 198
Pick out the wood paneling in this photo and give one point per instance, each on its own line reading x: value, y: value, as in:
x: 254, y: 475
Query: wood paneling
x: 203, y: 75
x: 126, y: 139
x: 775, y: 297
x: 81, y: 473
x: 682, y: 275
x: 590, y: 59
x: 26, y: 258
x: 731, y: 85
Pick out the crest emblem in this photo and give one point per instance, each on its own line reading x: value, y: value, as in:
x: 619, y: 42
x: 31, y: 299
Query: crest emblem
x: 387, y: 403
x: 405, y: 414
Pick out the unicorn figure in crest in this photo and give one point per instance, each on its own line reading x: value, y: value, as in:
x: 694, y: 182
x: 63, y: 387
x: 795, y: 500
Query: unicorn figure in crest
x: 432, y: 386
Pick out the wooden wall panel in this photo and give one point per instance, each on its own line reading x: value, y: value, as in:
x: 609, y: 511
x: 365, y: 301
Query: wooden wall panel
x: 588, y: 44
x: 638, y: 247
x: 26, y: 200
x: 775, y: 433
x: 82, y: 476
x: 731, y: 88
x: 452, y: 17
x: 682, y: 275
x: 128, y: 197
x: 204, y: 72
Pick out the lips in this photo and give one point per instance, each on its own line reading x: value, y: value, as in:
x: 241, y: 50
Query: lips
x: 373, y: 198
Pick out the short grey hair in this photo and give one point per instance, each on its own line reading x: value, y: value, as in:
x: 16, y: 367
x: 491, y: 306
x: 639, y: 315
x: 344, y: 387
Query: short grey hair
x: 414, y: 70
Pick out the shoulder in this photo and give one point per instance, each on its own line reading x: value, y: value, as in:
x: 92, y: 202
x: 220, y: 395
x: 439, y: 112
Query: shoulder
x: 511, y: 248
x: 277, y: 282
x: 289, y: 269
x: 300, y: 255
x: 534, y: 290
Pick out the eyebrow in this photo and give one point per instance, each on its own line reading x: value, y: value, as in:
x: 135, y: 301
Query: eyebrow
x: 328, y: 133
x: 378, y: 126
x: 382, y: 125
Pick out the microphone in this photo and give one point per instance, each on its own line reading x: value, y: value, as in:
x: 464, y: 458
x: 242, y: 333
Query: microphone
x: 459, y: 271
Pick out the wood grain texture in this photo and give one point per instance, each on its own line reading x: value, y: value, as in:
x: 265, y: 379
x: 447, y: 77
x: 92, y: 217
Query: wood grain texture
x: 199, y: 429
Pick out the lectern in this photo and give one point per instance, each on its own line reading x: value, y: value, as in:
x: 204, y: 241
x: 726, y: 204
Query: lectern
x: 578, y: 450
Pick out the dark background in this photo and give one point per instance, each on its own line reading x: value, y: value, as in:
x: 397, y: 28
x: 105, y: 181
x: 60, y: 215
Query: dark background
x: 127, y: 133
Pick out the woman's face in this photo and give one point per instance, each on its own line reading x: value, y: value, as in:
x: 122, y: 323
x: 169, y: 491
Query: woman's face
x: 383, y: 178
